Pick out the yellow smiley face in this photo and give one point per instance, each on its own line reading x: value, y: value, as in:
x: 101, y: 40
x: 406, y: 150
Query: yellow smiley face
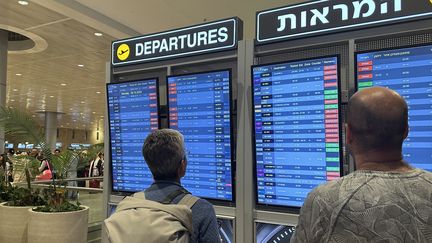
x: 123, y: 52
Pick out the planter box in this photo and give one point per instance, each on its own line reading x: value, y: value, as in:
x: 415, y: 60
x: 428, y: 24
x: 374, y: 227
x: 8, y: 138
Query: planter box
x: 64, y: 227
x: 13, y: 223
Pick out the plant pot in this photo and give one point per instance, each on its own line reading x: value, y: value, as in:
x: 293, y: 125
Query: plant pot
x: 64, y: 227
x: 13, y: 223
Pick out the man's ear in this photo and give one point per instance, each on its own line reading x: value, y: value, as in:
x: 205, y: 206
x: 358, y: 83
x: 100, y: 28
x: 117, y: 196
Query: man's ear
x: 182, y: 169
x: 406, y: 131
x: 348, y: 134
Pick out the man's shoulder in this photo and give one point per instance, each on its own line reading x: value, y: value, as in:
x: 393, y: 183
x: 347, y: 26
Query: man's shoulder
x: 329, y: 187
x: 337, y: 189
x: 426, y: 174
x: 202, y: 205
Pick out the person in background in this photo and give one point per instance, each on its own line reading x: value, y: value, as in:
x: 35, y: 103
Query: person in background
x: 72, y: 174
x: 57, y: 151
x: 11, y: 152
x: 385, y: 200
x: 96, y: 169
x: 34, y: 153
x: 45, y: 170
x: 7, y: 167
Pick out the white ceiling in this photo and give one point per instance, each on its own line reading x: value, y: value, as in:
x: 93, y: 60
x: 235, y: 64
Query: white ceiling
x: 51, y: 80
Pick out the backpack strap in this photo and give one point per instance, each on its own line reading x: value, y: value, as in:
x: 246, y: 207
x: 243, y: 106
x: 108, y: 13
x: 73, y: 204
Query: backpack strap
x: 188, y: 200
x: 169, y: 198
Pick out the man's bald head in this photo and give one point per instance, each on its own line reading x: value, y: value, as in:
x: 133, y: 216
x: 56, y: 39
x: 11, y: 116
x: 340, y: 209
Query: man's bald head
x: 378, y: 119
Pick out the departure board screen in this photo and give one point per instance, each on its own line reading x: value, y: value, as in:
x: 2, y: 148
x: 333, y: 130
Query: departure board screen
x: 200, y: 108
x: 132, y: 114
x: 407, y: 71
x: 297, y: 129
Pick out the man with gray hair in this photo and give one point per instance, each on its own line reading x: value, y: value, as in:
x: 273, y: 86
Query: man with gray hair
x: 165, y: 154
x: 385, y: 200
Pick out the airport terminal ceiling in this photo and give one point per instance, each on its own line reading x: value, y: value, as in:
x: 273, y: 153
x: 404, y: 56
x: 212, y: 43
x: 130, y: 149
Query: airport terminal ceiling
x: 65, y: 70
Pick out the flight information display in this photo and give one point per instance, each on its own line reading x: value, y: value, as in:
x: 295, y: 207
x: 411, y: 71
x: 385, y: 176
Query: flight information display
x: 408, y: 71
x: 200, y: 108
x: 132, y: 114
x: 297, y: 129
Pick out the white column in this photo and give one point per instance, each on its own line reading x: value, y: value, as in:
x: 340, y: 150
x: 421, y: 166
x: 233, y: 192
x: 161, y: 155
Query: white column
x: 3, y: 76
x: 51, y: 128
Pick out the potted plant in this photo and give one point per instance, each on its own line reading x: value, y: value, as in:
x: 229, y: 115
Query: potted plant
x: 57, y: 217
x: 14, y: 208
x: 17, y: 200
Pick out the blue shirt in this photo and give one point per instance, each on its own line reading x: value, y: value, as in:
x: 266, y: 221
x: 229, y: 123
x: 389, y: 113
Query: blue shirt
x: 203, y: 215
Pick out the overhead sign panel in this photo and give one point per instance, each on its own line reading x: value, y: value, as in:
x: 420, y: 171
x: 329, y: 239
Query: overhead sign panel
x: 199, y: 39
x: 325, y: 16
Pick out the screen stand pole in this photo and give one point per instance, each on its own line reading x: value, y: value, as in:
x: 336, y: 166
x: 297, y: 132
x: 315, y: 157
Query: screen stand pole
x: 3, y: 76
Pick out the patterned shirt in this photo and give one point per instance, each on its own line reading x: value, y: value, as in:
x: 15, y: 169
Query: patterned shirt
x: 369, y: 206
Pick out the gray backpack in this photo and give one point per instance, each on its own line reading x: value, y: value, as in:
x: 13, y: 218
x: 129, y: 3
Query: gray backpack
x: 138, y: 220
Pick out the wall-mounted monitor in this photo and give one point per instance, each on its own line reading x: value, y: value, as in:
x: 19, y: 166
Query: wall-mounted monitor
x: 297, y: 130
x: 85, y: 145
x: 273, y: 233
x: 21, y: 146
x: 132, y: 115
x: 59, y: 145
x: 29, y: 146
x: 408, y: 71
x: 75, y: 146
x: 9, y: 145
x: 199, y: 107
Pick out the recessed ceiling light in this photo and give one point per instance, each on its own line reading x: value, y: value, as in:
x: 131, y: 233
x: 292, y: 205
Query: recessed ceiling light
x: 12, y: 100
x: 70, y: 109
x: 82, y: 102
x: 51, y: 96
x: 63, y: 84
x: 98, y: 92
x: 80, y: 65
x: 24, y: 3
x: 94, y: 112
x: 33, y: 115
x: 18, y: 74
x: 98, y: 34
x: 101, y: 116
x: 74, y: 120
x: 15, y: 90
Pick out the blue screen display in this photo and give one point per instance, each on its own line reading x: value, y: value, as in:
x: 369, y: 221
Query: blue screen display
x: 408, y: 71
x: 9, y: 145
x: 132, y: 114
x: 199, y: 107
x: 297, y: 129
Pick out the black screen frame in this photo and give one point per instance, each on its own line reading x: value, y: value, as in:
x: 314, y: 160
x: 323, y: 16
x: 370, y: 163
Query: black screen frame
x: 286, y: 208
x: 123, y: 192
x: 233, y: 158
